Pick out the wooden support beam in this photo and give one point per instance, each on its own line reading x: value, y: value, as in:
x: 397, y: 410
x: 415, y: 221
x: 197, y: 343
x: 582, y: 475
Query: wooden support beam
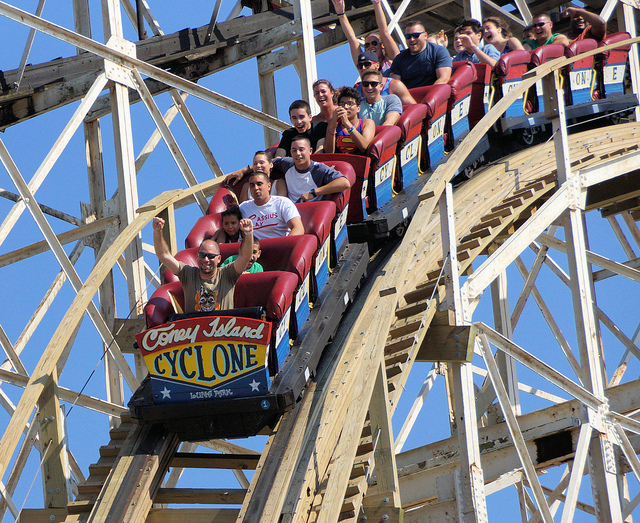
x: 448, y: 343
x: 55, y: 467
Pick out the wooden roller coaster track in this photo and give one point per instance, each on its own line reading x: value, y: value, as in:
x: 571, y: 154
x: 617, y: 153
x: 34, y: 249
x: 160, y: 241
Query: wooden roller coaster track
x: 334, y: 457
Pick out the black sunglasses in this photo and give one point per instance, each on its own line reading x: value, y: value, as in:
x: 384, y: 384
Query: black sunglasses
x: 373, y: 43
x: 539, y: 24
x: 208, y: 255
x: 409, y: 36
x: 364, y: 65
x: 370, y: 84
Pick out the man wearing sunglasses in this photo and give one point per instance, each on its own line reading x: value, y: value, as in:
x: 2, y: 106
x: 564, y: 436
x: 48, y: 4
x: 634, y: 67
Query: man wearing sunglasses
x: 383, y: 110
x: 543, y: 33
x: 366, y: 62
x: 422, y: 63
x: 206, y: 287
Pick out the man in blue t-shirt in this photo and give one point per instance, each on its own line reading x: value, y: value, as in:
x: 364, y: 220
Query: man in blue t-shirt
x: 466, y: 40
x: 422, y: 63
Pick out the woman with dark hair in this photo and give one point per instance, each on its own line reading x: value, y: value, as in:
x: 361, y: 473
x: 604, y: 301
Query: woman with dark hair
x: 324, y: 94
x: 346, y: 133
x: 495, y: 31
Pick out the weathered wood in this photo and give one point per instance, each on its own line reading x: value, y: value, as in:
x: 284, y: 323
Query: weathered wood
x: 215, y: 461
x: 448, y: 343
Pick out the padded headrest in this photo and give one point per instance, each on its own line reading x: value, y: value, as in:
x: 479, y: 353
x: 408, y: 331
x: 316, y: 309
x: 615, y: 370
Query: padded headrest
x: 160, y: 307
x: 386, y: 136
x: 546, y: 53
x: 614, y: 38
x: 432, y: 96
x: 291, y: 253
x: 580, y: 46
x: 510, y: 60
x: 412, y: 116
x: 340, y: 199
x: 360, y: 164
x: 317, y: 218
x: 272, y: 290
x: 464, y: 74
x: 483, y: 73
x: 205, y: 227
x: 224, y: 197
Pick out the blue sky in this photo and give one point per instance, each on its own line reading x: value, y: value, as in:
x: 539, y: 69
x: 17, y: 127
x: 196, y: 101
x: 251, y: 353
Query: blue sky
x: 233, y: 140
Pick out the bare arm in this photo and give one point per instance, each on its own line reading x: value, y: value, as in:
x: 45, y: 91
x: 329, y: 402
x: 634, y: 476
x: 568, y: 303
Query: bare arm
x: 334, y: 186
x: 162, y: 249
x: 320, y: 145
x: 362, y: 140
x: 391, y: 49
x: 236, y: 176
x: 295, y: 224
x: 281, y: 187
x: 348, y: 31
x: 246, y: 247
x: 443, y: 74
x: 391, y: 118
x: 401, y: 91
x: 515, y: 44
x: 597, y: 23
x: 395, y: 76
x: 280, y: 153
x: 330, y: 137
x: 562, y: 40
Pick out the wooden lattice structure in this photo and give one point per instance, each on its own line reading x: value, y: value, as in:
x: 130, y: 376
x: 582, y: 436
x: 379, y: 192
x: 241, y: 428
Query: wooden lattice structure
x: 335, y: 456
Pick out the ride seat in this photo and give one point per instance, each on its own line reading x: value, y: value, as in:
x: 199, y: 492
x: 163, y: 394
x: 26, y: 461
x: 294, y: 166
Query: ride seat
x: 436, y: 98
x: 317, y: 218
x: 508, y: 72
x: 222, y: 199
x: 481, y: 98
x: 383, y: 150
x: 204, y: 228
x: 581, y: 73
x: 461, y: 82
x: 539, y: 56
x: 411, y: 123
x: 613, y: 64
x: 357, y: 194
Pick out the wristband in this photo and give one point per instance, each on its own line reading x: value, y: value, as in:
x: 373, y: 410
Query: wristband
x: 353, y: 128
x: 312, y: 192
x: 340, y: 14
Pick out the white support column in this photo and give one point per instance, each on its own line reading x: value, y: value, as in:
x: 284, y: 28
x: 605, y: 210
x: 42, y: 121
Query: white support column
x: 269, y: 104
x: 469, y: 484
x: 306, y: 52
x: 634, y: 59
x: 125, y: 157
x: 473, y: 9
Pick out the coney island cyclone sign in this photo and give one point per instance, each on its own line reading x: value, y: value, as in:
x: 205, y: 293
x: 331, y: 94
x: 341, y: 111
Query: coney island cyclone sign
x: 207, y: 358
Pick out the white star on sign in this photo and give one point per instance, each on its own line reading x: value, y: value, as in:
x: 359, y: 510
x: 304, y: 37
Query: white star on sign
x: 254, y: 385
x: 166, y: 393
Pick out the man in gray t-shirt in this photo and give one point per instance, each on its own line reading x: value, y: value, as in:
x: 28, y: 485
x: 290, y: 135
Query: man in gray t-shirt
x: 206, y: 287
x: 383, y: 110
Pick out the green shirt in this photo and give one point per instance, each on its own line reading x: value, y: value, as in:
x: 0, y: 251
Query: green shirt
x: 256, y: 267
x: 534, y: 43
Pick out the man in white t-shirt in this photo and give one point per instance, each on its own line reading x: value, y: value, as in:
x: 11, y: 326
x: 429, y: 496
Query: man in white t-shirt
x: 272, y: 216
x: 308, y: 180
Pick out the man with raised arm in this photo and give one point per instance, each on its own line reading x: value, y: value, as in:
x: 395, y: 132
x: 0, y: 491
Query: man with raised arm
x: 585, y: 24
x: 272, y: 216
x: 206, y: 287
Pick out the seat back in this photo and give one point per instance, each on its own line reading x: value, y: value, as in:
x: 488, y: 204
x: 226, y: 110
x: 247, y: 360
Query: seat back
x: 383, y: 151
x: 581, y: 73
x: 224, y: 197
x: 205, y: 227
x: 411, y: 124
x: 539, y: 56
x: 461, y: 82
x: 357, y: 194
x: 436, y: 98
x: 509, y: 70
x: 480, y: 94
x: 613, y: 64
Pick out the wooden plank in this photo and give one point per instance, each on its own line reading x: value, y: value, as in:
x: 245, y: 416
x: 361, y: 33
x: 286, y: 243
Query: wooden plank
x: 208, y: 496
x: 124, y: 332
x: 193, y: 515
x: 42, y: 515
x: 215, y: 461
x: 447, y: 344
x: 78, y: 233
